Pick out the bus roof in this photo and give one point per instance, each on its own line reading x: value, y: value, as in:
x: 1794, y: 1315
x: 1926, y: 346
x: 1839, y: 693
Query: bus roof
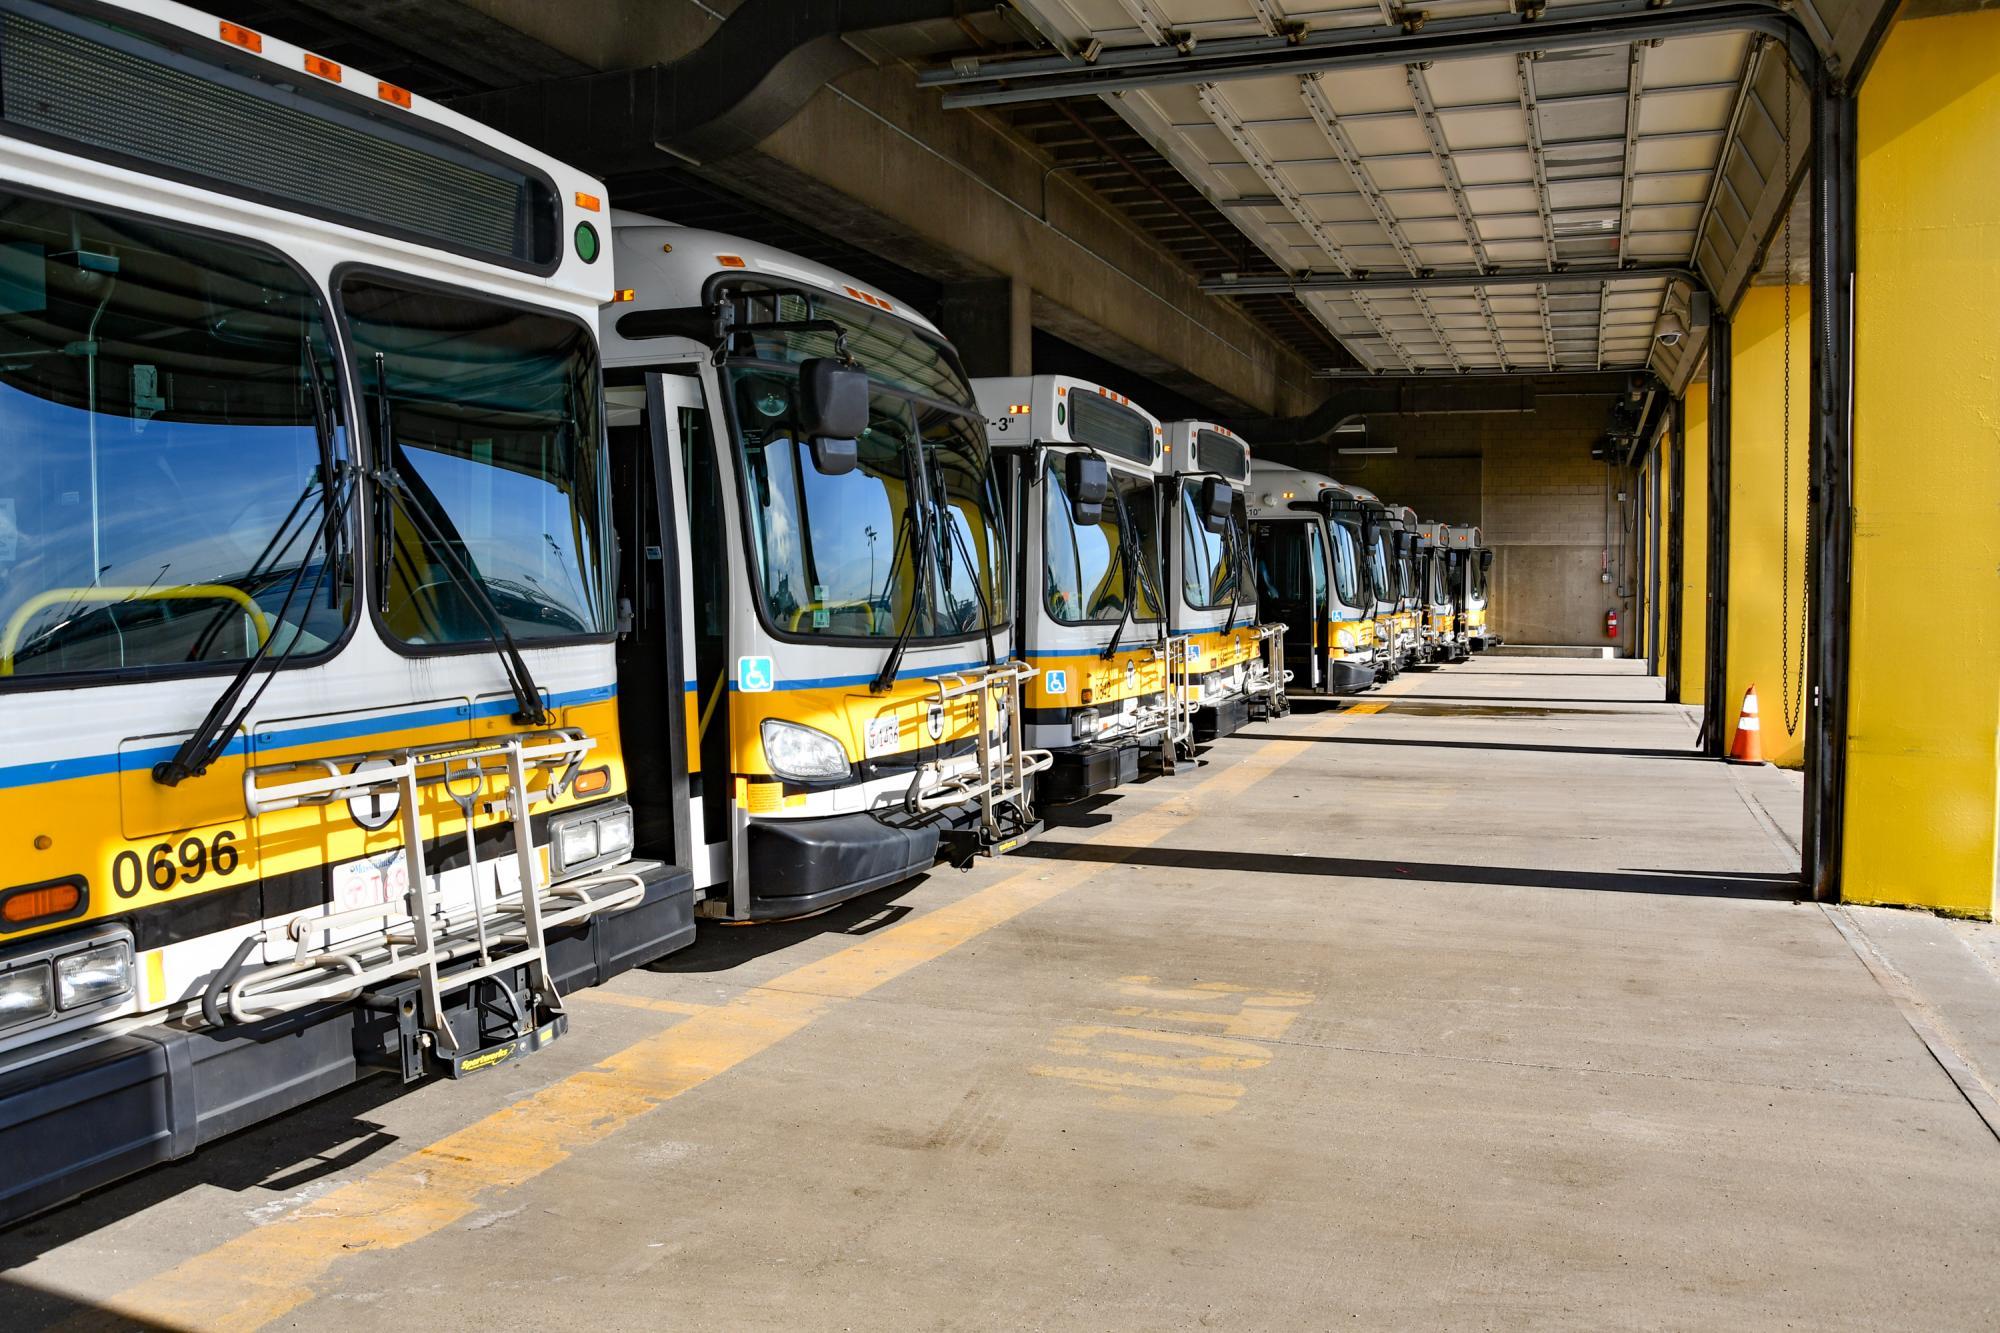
x: 273, y: 86
x: 665, y: 266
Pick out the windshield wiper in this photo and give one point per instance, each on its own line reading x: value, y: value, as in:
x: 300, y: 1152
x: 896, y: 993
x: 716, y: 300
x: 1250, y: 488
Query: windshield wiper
x: 529, y: 710
x: 1129, y: 568
x: 924, y: 553
x: 1236, y: 579
x: 964, y: 548
x: 210, y: 739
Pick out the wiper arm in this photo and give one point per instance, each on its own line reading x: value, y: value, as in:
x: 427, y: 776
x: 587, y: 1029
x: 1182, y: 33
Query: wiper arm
x: 1236, y: 580
x: 529, y: 711
x: 1129, y: 568
x: 921, y: 545
x: 964, y: 547
x: 207, y: 742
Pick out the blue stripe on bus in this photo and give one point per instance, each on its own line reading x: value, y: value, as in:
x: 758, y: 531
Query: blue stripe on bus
x: 96, y: 765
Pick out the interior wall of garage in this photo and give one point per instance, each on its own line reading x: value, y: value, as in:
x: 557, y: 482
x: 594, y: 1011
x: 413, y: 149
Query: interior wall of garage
x: 1924, y: 706
x: 1548, y: 509
x: 1764, y: 605
x: 1693, y: 519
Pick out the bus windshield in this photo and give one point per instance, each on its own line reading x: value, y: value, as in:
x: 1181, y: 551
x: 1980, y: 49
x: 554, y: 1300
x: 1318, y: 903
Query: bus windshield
x: 1476, y: 580
x: 1085, y: 579
x: 1346, y: 568
x: 162, y: 467
x: 893, y: 542
x: 1378, y: 569
x: 1209, y: 560
x: 495, y: 429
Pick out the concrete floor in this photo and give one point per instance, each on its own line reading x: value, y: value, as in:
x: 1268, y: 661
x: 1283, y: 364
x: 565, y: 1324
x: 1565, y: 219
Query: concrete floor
x: 1481, y: 1005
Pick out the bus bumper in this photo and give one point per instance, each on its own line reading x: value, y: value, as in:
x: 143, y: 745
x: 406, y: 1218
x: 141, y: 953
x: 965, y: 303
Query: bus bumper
x: 1223, y: 718
x: 1349, y: 677
x: 1088, y: 770
x: 83, y: 1109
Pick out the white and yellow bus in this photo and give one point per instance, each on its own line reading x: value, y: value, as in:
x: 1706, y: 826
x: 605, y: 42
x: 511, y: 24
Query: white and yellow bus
x: 1086, y: 463
x: 847, y: 595
x: 1471, y: 568
x: 1312, y: 577
x: 312, y: 760
x: 1235, y: 668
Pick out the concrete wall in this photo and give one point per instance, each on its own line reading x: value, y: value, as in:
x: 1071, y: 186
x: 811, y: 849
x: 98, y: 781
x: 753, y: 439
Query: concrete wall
x: 1528, y: 479
x: 1763, y: 611
x: 1924, y: 708
x: 874, y: 160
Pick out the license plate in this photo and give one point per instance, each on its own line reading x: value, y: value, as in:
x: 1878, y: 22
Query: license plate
x: 883, y: 735
x: 371, y: 881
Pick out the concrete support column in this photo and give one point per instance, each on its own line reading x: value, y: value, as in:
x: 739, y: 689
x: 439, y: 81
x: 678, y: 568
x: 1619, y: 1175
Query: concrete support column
x: 1768, y: 499
x: 1715, y: 688
x: 990, y: 321
x: 1691, y: 521
x: 1673, y: 540
x: 1923, y: 744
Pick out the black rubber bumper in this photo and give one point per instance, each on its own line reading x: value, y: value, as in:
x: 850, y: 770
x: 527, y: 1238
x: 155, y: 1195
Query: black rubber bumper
x: 806, y: 865
x: 82, y: 1110
x: 1089, y: 770
x: 1347, y: 677
x: 1214, y: 721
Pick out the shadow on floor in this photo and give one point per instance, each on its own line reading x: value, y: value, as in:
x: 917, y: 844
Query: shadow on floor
x: 27, y: 1309
x: 1613, y: 752
x: 1762, y: 885
x: 1523, y: 699
x: 264, y: 1163
x: 719, y: 946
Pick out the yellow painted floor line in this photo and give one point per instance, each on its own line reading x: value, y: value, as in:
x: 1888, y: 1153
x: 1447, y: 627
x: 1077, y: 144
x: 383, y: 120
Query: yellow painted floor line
x: 261, y: 1275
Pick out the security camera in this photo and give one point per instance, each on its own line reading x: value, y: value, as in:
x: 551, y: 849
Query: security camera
x: 1670, y: 329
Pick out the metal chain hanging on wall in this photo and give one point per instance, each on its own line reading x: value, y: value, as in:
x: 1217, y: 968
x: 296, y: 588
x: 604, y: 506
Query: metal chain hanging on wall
x: 1792, y: 696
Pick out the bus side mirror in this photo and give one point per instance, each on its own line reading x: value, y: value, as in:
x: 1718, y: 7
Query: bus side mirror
x: 1089, y: 483
x: 833, y: 400
x: 1218, y: 504
x: 1485, y: 561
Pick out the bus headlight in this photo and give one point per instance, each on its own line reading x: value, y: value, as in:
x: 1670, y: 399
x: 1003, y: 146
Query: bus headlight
x: 26, y: 994
x: 93, y: 975
x: 802, y: 753
x: 590, y: 838
x: 1346, y: 639
x: 1083, y: 724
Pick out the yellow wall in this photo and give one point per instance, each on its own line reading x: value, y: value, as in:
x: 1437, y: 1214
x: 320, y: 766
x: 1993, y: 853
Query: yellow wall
x: 1758, y: 611
x: 1923, y: 713
x: 1694, y: 549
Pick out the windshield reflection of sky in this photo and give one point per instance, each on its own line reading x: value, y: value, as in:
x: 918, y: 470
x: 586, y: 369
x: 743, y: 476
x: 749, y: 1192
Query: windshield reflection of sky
x: 176, y: 503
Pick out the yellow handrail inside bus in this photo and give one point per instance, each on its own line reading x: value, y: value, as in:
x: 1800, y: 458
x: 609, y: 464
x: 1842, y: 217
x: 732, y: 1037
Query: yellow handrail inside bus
x: 189, y: 592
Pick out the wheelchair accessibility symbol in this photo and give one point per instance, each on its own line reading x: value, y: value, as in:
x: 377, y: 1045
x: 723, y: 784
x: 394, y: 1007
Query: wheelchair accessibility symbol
x: 1055, y: 682
x: 753, y: 675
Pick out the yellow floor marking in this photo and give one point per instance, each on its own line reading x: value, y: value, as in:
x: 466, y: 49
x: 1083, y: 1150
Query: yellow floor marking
x: 659, y: 1006
x: 261, y: 1275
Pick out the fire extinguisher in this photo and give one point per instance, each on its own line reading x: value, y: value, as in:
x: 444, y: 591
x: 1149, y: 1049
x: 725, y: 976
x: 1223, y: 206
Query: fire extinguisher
x: 1611, y: 624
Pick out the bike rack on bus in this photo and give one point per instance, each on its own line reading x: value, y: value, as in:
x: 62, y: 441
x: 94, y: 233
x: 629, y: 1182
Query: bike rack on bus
x: 998, y: 775
x: 1178, y: 696
x: 416, y: 934
x: 1271, y: 684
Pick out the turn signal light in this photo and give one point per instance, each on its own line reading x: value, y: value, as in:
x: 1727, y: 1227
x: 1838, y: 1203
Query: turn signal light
x: 236, y: 35
x: 1018, y: 409
x: 592, y: 781
x: 323, y: 68
x: 42, y: 902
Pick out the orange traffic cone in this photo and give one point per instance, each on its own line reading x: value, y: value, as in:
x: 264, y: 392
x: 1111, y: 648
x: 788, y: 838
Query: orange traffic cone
x: 1748, y: 747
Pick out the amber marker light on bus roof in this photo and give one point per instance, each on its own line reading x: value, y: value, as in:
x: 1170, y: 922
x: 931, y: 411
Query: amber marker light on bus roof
x: 237, y: 35
x: 324, y: 68
x: 1017, y: 409
x: 622, y: 295
x: 390, y: 93
x: 731, y: 261
x: 589, y: 203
